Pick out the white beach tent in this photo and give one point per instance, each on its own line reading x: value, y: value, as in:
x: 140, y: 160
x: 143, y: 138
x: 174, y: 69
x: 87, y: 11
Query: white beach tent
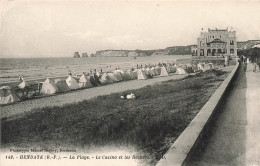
x: 141, y: 75
x: 200, y: 66
x: 7, y: 95
x: 23, y: 85
x: 49, y: 87
x: 163, y: 72
x: 84, y: 82
x: 72, y: 83
x: 181, y: 71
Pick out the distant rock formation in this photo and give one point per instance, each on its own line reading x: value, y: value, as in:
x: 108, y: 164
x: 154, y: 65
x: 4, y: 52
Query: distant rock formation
x: 85, y: 55
x: 76, y: 55
x: 176, y: 50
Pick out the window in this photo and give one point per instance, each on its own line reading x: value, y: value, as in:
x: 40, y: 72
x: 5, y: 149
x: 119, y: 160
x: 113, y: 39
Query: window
x: 213, y: 37
x: 231, y: 42
x: 201, y: 52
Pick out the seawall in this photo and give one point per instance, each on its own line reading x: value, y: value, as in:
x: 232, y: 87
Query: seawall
x: 190, y: 139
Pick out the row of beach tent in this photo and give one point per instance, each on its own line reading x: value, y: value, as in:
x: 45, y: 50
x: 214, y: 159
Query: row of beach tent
x: 49, y: 86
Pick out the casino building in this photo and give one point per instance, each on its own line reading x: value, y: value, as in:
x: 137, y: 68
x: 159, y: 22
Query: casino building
x: 216, y: 42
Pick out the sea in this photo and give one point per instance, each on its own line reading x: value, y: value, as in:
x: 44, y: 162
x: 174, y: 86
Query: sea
x: 39, y: 68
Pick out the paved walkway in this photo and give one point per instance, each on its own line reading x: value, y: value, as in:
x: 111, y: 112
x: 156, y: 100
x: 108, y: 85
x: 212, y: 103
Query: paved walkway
x: 234, y: 138
x: 79, y: 95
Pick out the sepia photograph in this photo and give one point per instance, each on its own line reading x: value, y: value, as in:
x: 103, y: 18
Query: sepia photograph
x: 129, y: 83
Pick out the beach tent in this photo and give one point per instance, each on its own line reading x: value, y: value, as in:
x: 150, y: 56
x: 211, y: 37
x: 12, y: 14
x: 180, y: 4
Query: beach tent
x: 141, y: 75
x: 194, y: 67
x: 188, y: 69
x: 106, y: 79
x: 181, y: 71
x: 155, y: 71
x: 158, y: 70
x: 211, y: 65
x: 118, y: 76
x: 207, y: 67
x: 113, y: 77
x: 24, y: 85
x: 72, y: 83
x: 92, y: 80
x: 98, y: 73
x: 163, y: 72
x: 61, y: 85
x: 49, y: 87
x: 96, y: 77
x: 200, y: 66
x: 121, y: 74
x: 171, y: 69
x: 132, y: 74
x: 150, y: 71
x: 126, y: 76
x: 84, y: 82
x: 7, y: 95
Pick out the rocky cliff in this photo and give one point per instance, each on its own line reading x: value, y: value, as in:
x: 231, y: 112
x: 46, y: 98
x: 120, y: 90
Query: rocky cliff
x: 176, y: 50
x: 76, y: 55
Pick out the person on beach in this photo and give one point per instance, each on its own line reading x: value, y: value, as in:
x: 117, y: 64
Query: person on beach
x: 254, y: 69
x: 69, y: 72
x: 20, y: 78
x: 245, y: 66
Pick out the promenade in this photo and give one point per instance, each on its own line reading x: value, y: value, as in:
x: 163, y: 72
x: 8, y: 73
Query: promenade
x: 235, y: 134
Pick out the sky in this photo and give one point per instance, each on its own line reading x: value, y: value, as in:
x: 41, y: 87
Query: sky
x: 60, y: 28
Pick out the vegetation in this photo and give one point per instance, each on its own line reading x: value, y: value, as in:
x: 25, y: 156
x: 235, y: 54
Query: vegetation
x: 253, y: 54
x: 150, y: 123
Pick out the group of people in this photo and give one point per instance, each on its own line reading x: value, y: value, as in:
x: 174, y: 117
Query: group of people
x: 244, y: 61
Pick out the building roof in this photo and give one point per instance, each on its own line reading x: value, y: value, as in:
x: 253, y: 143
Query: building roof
x: 217, y: 41
x: 217, y: 30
